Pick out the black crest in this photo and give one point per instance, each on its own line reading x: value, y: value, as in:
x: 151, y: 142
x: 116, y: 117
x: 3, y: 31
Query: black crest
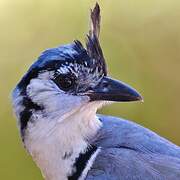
x: 93, y: 46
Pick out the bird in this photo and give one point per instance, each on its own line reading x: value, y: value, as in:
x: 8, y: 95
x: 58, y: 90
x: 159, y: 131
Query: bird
x: 56, y: 104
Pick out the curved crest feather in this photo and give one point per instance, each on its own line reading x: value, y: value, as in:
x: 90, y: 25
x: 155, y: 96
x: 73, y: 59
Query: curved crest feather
x: 93, y: 46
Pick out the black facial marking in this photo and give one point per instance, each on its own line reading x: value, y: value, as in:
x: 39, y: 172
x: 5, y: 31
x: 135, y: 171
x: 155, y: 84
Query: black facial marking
x: 81, y: 163
x: 26, y: 113
x: 67, y: 155
x: 27, y: 103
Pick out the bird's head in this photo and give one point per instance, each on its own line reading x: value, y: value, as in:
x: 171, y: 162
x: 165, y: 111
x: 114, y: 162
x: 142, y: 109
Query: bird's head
x: 65, y: 78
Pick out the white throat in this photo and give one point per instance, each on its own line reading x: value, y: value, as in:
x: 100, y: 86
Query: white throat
x: 56, y: 143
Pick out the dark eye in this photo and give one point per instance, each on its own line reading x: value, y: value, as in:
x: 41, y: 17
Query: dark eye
x: 65, y: 82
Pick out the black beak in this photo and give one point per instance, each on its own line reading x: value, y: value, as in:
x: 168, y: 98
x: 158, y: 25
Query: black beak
x: 112, y: 90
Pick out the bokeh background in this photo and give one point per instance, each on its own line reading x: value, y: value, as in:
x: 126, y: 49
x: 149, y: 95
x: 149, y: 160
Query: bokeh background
x: 141, y: 42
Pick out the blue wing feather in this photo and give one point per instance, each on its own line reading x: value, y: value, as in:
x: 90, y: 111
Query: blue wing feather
x: 132, y: 152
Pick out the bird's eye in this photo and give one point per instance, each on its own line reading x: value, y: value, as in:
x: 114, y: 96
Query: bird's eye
x: 65, y: 82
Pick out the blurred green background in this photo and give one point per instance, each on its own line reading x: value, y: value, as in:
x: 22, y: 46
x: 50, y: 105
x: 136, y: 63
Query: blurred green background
x: 141, y: 42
